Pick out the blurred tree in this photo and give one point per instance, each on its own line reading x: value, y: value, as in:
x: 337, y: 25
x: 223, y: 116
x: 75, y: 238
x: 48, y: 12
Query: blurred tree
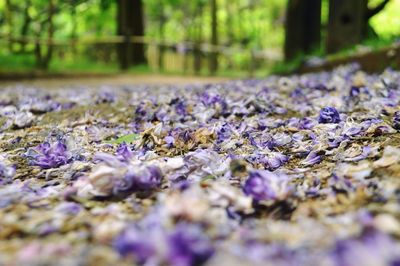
x: 130, y: 22
x: 9, y: 20
x: 157, y: 10
x: 74, y: 23
x: 214, y: 36
x: 44, y: 52
x: 367, y: 30
x: 302, y: 28
x: 161, y: 31
x: 198, y: 37
x: 348, y: 23
x: 27, y: 19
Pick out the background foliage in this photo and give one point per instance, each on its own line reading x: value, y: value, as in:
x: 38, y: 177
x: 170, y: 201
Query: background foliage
x: 246, y: 24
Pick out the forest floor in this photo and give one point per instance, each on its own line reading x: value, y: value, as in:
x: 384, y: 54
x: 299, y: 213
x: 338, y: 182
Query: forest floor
x: 297, y: 170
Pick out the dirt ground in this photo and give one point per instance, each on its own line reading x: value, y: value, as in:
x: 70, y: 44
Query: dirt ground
x: 122, y: 79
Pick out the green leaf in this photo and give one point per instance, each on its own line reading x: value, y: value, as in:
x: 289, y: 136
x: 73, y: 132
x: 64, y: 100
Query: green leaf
x: 126, y: 138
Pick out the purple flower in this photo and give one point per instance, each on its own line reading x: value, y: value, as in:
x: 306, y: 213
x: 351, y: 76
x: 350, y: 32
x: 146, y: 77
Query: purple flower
x: 306, y: 123
x: 149, y: 179
x: 169, y: 140
x: 70, y: 208
x: 352, y: 131
x: 106, y: 97
x: 224, y: 133
x: 312, y: 158
x: 212, y: 99
x: 124, y: 185
x: 107, y: 158
x: 372, y: 247
x: 136, y: 243
x: 396, y: 120
x: 48, y: 155
x: 340, y: 184
x: 146, y: 242
x: 335, y: 142
x: 298, y: 95
x: 274, y: 160
x: 39, y: 105
x: 188, y: 245
x: 381, y: 130
x: 354, y: 91
x: 123, y: 152
x: 329, y: 115
x: 364, y: 154
x: 181, y: 108
x: 146, y: 179
x: 269, y: 254
x: 6, y: 173
x: 321, y: 87
x: 266, y: 185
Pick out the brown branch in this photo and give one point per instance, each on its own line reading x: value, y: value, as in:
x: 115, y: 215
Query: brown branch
x: 376, y: 10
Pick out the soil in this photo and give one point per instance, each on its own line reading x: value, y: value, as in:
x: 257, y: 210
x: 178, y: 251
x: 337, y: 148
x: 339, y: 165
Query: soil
x: 103, y: 80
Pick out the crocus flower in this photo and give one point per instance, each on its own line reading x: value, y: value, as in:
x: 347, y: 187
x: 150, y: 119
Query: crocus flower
x: 329, y: 115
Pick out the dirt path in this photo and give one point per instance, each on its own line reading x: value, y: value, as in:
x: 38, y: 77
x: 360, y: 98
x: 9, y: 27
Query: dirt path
x: 122, y: 79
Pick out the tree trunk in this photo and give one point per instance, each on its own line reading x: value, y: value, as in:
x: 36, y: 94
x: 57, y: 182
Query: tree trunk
x: 43, y: 56
x: 198, y: 33
x: 230, y: 29
x: 345, y: 24
x: 161, y: 47
x: 349, y: 23
x: 137, y: 25
x: 213, y: 63
x: 312, y: 26
x: 130, y: 23
x: 50, y: 46
x: 302, y: 28
x: 73, y: 31
x: 185, y: 60
x: 122, y: 48
x: 25, y: 25
x: 9, y: 19
x: 367, y: 30
x: 197, y: 57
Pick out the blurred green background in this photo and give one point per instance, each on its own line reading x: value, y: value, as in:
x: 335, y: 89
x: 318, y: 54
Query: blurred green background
x: 234, y: 38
